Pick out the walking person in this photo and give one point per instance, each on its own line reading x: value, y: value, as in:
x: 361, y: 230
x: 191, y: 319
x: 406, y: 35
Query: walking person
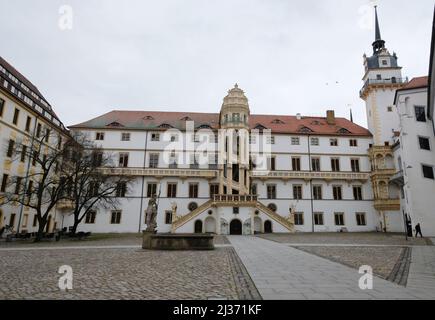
x: 418, y: 230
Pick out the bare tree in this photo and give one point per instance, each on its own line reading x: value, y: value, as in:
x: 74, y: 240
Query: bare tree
x: 41, y: 188
x: 90, y: 184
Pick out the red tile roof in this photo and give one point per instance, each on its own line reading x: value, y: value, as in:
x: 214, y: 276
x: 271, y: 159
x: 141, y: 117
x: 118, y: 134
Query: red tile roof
x: 155, y: 120
x: 417, y: 82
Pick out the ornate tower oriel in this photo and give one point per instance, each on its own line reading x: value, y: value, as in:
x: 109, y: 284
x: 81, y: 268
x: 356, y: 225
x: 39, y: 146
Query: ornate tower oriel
x: 234, y: 140
x: 382, y: 78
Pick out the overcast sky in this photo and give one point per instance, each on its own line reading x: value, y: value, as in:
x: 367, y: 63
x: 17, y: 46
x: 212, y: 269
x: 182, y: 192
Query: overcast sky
x: 183, y: 55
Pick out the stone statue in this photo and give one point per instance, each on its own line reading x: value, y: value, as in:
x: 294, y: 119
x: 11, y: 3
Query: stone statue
x: 151, y: 214
x: 174, y: 211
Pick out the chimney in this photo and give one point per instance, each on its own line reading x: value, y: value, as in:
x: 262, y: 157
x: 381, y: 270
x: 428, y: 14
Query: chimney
x: 330, y: 117
x: 298, y: 116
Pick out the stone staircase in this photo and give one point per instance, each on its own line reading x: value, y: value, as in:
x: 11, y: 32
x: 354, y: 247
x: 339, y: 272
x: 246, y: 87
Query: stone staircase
x: 287, y: 223
x: 233, y: 200
x: 192, y: 214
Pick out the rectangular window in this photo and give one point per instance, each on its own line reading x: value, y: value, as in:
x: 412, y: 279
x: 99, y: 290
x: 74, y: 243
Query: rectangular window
x: 38, y: 130
x: 254, y: 189
x: 339, y: 218
x: 353, y: 142
x: 35, y: 221
x: 154, y: 160
x: 299, y: 218
x: 297, y: 192
x: 47, y: 134
x: 389, y: 109
x: 155, y: 137
x: 317, y: 192
x: 270, y: 139
x: 360, y: 218
x: 335, y: 164
x: 28, y: 121
x: 318, y: 219
x: 296, y: 164
x: 424, y: 143
x: 90, y: 217
x: 168, y: 217
x: 151, y: 190
x: 315, y: 164
x: 16, y: 115
x: 125, y: 136
x: 12, y: 220
x: 214, y: 189
x: 314, y: 141
x: 10, y: 151
x: 123, y: 160
x: 99, y: 136
x: 4, y: 182
x: 354, y: 164
x: 97, y: 159
x: 121, y: 189
x: 336, y: 191
x: 271, y: 191
x: 428, y: 171
x: 272, y: 163
x: 193, y: 190
x: 172, y: 190
x: 252, y: 139
x: 18, y: 185
x: 235, y: 210
x: 23, y: 153
x: 93, y: 188
x: 357, y: 192
x: 420, y: 114
x: 35, y: 158
x: 116, y: 217
x: 2, y: 107
x: 30, y: 188
x: 295, y: 141
x: 333, y: 142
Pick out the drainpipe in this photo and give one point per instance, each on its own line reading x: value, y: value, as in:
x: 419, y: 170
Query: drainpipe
x: 143, y: 181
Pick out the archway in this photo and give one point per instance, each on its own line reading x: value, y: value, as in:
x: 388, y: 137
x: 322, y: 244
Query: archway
x: 236, y: 227
x: 267, y: 226
x: 198, y: 226
x: 210, y: 225
x: 257, y: 225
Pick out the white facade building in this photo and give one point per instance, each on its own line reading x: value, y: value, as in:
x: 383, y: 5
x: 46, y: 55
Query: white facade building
x: 318, y: 169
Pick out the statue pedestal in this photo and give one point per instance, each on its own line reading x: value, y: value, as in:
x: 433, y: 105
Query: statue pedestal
x: 146, y: 239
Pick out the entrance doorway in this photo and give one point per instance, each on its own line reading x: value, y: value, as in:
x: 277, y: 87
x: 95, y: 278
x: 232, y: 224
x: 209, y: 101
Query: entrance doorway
x: 235, y: 227
x: 198, y: 226
x: 267, y: 226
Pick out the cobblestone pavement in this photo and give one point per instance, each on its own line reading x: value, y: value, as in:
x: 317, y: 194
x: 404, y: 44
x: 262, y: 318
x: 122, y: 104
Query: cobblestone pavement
x: 97, y: 240
x: 124, y: 274
x: 355, y: 238
x: 282, y: 272
x: 381, y: 259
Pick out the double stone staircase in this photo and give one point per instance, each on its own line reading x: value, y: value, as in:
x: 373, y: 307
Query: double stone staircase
x: 233, y: 201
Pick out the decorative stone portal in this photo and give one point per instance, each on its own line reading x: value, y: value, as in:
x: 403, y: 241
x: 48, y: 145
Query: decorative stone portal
x: 236, y: 227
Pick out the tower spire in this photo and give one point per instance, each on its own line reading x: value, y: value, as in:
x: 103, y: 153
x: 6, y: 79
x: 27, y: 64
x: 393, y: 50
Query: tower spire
x: 379, y: 44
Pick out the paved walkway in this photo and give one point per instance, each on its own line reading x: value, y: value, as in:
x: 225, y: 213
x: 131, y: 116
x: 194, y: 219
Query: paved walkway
x: 282, y: 272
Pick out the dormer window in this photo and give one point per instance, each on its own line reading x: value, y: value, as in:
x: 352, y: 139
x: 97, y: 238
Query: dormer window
x: 115, y: 124
x: 378, y: 77
x: 343, y: 131
x: 384, y: 62
x: 148, y: 118
x: 304, y: 129
x: 186, y: 118
x: 165, y: 126
x: 277, y: 121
